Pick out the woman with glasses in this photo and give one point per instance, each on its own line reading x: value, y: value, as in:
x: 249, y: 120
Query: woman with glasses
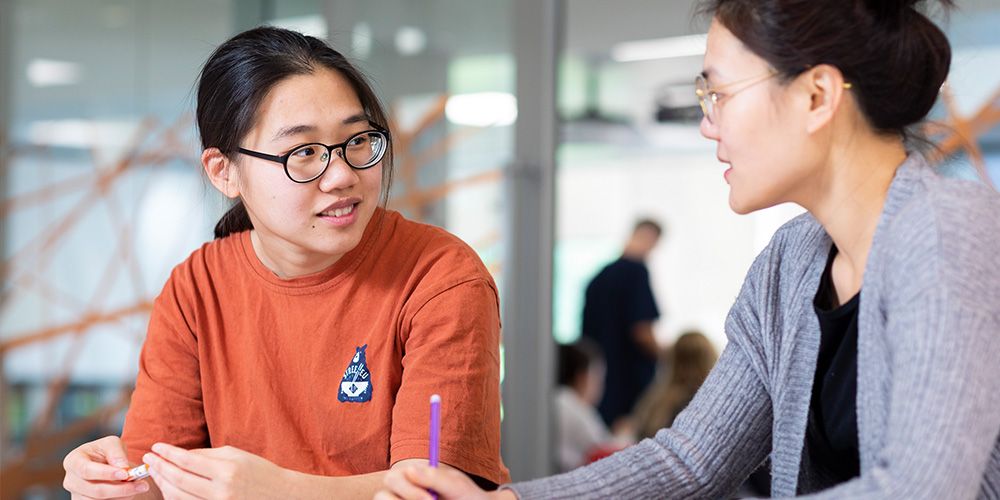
x: 864, y: 347
x: 296, y: 354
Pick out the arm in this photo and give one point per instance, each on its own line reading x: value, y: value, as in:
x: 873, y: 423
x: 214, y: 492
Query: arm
x: 364, y: 486
x: 722, y: 436
x: 450, y: 338
x: 228, y: 472
x: 167, y: 402
x: 642, y: 335
x: 642, y: 313
x: 717, y: 441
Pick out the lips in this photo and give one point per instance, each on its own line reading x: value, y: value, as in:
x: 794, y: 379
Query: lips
x: 338, y: 212
x: 340, y: 208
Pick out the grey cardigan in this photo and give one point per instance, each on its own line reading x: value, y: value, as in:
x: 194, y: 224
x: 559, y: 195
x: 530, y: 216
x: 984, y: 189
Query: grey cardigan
x: 928, y: 397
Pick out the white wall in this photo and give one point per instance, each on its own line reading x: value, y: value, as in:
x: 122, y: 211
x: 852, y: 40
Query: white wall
x: 696, y: 271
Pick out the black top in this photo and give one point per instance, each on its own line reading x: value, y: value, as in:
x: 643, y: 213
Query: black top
x: 832, y: 437
x: 616, y: 299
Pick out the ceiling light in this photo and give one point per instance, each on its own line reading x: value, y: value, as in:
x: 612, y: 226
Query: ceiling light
x: 659, y: 48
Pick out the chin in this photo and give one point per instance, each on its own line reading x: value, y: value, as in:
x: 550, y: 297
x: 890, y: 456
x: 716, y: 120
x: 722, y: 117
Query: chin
x: 339, y: 246
x: 746, y: 206
x: 738, y: 206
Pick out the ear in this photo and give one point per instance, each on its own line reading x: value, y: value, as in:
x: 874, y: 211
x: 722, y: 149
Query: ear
x: 825, y: 84
x: 221, y: 172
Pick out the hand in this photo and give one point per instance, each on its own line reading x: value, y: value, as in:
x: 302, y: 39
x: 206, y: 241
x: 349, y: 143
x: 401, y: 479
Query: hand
x: 210, y: 473
x: 413, y: 483
x: 97, y: 470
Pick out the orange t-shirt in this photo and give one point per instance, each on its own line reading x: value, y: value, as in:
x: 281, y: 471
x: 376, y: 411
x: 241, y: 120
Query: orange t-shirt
x: 330, y: 373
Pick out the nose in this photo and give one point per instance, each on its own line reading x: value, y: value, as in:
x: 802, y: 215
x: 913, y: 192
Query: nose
x: 708, y: 129
x: 338, y: 176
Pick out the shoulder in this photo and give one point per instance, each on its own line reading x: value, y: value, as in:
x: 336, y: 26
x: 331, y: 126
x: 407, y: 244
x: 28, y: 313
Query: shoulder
x: 432, y: 255
x: 801, y: 232
x: 945, y: 234
x: 206, y: 263
x: 793, y: 249
x: 788, y: 266
x: 948, y: 207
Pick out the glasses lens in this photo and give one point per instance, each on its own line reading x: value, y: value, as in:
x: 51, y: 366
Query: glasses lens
x: 307, y: 162
x: 704, y: 100
x: 365, y: 149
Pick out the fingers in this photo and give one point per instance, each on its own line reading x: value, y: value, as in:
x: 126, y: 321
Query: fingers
x: 112, y: 450
x: 227, y: 453
x: 93, y: 489
x: 413, y: 482
x: 448, y: 483
x: 401, y: 487
x: 84, y: 467
x: 87, y: 462
x: 174, y: 478
x: 87, y: 474
x: 197, y: 461
x: 169, y: 490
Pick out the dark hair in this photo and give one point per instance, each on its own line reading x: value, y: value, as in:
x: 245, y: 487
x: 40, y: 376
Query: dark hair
x: 648, y: 224
x: 574, y: 359
x: 894, y: 56
x: 240, y: 73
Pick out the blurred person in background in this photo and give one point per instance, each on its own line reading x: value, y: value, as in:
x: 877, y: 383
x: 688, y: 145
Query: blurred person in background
x: 618, y: 315
x: 683, y: 368
x: 582, y: 436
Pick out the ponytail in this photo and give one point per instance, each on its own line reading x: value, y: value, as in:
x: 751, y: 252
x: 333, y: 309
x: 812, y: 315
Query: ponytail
x: 235, y: 220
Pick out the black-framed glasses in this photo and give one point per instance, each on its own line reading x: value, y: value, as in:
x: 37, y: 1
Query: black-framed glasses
x: 308, y: 162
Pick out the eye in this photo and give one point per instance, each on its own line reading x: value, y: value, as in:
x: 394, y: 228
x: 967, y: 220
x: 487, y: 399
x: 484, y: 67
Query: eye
x: 306, y: 151
x: 358, y: 141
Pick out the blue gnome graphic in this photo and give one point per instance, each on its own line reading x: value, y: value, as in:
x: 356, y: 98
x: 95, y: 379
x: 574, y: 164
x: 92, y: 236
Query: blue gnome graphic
x: 356, y: 386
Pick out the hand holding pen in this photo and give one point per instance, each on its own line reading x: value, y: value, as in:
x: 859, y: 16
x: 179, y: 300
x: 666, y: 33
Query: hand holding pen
x: 426, y: 482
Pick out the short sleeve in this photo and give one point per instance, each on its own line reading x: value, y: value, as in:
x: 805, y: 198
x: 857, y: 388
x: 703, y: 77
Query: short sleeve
x: 167, y: 402
x: 642, y: 304
x: 452, y: 348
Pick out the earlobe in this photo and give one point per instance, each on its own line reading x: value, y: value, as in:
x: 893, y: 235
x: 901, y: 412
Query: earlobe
x: 221, y: 172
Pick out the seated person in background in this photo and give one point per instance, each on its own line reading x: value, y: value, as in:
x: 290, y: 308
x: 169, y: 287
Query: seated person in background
x: 682, y: 370
x: 582, y: 435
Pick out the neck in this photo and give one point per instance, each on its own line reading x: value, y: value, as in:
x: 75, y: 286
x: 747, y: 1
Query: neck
x: 632, y: 253
x: 286, y: 260
x: 847, y: 200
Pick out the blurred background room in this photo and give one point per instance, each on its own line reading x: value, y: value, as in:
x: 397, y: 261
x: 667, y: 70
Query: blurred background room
x: 538, y: 131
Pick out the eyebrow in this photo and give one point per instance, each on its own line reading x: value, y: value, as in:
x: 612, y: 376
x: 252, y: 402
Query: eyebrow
x: 304, y: 128
x: 292, y: 130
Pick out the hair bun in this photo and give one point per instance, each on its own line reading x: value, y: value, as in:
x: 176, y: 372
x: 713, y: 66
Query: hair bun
x: 896, y: 12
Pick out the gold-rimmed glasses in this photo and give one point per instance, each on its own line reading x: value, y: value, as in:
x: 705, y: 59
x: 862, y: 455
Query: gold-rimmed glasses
x: 710, y: 97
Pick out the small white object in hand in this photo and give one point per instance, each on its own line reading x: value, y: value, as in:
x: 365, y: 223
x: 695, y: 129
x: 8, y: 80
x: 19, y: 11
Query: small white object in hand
x: 138, y: 472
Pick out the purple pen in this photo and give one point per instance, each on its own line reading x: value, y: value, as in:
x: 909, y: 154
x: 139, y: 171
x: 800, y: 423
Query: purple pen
x: 432, y: 455
x: 435, y: 429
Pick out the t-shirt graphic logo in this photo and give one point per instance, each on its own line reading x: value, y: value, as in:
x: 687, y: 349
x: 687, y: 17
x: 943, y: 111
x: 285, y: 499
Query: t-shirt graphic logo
x: 356, y: 386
